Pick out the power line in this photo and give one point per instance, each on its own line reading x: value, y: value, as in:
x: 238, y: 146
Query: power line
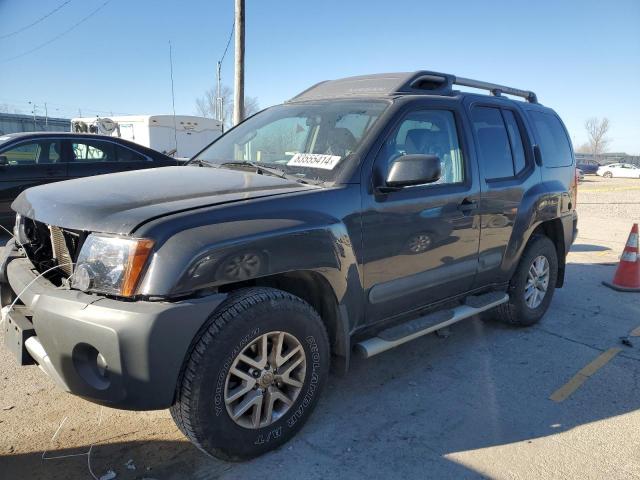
x: 26, y: 27
x: 233, y: 26
x: 57, y: 37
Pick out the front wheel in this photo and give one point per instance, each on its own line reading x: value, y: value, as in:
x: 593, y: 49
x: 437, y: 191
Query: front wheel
x: 607, y: 175
x: 253, y: 375
x: 532, y: 285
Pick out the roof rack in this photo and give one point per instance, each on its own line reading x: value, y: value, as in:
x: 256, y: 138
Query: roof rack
x: 388, y: 84
x: 496, y: 89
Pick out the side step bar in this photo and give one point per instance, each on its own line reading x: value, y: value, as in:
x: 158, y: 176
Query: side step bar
x: 394, y: 336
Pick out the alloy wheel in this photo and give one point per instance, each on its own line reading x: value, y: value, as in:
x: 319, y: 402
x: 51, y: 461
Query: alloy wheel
x: 537, y: 282
x: 265, y: 379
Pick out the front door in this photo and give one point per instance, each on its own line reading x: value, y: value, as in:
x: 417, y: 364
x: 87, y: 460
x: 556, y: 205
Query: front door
x: 420, y: 243
x: 27, y: 164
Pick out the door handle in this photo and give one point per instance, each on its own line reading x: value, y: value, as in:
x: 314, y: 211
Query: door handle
x: 467, y: 205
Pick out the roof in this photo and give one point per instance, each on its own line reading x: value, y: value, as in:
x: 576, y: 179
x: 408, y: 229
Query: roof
x: 422, y: 82
x: 47, y: 134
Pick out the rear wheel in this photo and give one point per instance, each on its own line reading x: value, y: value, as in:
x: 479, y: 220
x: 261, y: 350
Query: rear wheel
x: 532, y: 285
x: 254, y: 374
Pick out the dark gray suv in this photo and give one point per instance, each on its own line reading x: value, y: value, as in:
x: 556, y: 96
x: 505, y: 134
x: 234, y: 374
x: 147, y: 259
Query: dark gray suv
x: 359, y: 215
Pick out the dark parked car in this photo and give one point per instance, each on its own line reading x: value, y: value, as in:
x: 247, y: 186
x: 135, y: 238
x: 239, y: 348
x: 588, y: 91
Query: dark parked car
x: 361, y: 214
x: 34, y: 158
x: 588, y: 167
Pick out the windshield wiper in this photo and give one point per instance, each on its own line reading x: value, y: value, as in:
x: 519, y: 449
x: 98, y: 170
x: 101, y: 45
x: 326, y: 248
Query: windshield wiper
x: 261, y: 169
x: 200, y: 162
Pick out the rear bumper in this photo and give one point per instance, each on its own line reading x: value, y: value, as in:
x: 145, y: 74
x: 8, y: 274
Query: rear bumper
x: 121, y: 354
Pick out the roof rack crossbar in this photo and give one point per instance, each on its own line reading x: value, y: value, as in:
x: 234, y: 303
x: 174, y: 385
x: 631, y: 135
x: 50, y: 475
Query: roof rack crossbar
x: 496, y: 89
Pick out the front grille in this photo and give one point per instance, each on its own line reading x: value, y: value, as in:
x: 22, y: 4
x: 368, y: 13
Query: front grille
x: 48, y: 246
x: 60, y: 250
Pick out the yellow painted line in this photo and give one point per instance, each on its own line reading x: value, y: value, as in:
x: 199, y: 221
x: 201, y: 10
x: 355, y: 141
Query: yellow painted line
x: 579, y: 378
x: 608, y: 189
x: 635, y: 332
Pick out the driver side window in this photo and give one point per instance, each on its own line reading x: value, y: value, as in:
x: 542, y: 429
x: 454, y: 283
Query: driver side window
x: 429, y: 132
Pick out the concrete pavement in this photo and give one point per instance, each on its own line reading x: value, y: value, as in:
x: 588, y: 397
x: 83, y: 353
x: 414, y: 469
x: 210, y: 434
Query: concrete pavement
x: 476, y: 404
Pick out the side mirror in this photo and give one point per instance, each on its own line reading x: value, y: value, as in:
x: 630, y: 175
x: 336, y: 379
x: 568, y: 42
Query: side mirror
x: 409, y: 170
x: 4, y: 161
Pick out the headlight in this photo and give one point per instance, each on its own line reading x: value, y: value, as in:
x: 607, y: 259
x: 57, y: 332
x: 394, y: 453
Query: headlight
x: 110, y: 264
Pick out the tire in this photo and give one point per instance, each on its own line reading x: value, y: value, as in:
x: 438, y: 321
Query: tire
x: 517, y: 311
x: 208, y: 379
x: 607, y: 175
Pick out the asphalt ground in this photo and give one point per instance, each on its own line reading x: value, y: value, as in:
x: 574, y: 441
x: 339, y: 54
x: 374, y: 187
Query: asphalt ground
x: 557, y: 400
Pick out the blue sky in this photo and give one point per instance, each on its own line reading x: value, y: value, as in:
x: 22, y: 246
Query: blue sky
x: 581, y: 57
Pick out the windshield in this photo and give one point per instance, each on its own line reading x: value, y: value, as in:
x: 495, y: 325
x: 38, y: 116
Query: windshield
x: 310, y: 141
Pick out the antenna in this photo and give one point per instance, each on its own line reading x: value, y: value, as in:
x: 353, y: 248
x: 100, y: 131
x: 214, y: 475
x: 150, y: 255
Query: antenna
x: 173, y: 100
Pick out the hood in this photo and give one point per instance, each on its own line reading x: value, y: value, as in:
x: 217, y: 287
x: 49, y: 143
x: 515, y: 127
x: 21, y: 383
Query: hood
x: 119, y: 202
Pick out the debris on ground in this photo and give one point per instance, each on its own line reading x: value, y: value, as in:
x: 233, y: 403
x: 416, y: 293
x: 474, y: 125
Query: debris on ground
x: 626, y: 342
x: 110, y: 475
x: 130, y: 465
x: 443, y: 332
x: 8, y: 407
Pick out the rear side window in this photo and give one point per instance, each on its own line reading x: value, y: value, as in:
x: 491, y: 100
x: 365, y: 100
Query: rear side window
x: 517, y: 149
x: 493, y: 142
x: 554, y: 144
x: 91, y: 151
x: 124, y: 154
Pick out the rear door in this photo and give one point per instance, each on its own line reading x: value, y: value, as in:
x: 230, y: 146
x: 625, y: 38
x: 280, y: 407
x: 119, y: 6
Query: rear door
x: 89, y: 157
x: 507, y: 171
x: 26, y: 164
x: 628, y: 171
x: 420, y: 243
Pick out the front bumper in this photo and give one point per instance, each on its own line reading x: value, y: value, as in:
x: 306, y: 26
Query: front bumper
x: 116, y: 353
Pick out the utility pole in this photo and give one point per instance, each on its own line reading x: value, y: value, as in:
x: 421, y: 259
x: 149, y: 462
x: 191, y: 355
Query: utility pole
x: 238, y: 101
x: 33, y: 112
x: 46, y: 116
x: 219, y: 114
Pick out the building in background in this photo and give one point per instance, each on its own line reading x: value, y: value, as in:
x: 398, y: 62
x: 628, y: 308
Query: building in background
x: 15, y: 123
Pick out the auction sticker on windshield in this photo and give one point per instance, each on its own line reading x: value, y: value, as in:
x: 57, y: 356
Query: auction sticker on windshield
x: 314, y: 160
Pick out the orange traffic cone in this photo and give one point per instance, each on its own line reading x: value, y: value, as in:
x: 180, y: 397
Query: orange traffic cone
x: 627, y: 277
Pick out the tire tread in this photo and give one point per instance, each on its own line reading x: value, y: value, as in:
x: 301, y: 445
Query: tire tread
x: 236, y: 304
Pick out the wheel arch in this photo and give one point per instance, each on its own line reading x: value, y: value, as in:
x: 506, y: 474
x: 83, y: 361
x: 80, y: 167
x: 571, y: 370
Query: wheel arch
x: 554, y: 230
x: 316, y: 290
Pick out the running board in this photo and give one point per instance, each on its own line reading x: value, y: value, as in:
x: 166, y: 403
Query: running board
x: 394, y: 336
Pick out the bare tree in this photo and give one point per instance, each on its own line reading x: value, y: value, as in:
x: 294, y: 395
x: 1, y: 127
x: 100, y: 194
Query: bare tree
x: 206, y: 105
x: 597, y: 135
x: 584, y: 148
x: 4, y: 108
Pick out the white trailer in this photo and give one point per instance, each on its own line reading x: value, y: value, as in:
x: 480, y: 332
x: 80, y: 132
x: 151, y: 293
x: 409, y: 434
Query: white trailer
x: 181, y: 136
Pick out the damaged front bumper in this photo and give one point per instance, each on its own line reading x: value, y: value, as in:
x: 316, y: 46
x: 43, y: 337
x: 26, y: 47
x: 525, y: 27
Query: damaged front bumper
x: 122, y: 354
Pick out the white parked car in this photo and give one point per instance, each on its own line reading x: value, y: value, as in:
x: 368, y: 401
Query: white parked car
x: 625, y: 170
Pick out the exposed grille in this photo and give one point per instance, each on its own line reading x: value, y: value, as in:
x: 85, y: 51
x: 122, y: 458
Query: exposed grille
x: 60, y: 250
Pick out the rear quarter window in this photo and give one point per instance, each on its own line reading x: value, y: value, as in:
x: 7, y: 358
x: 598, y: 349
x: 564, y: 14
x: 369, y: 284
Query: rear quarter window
x: 553, y: 140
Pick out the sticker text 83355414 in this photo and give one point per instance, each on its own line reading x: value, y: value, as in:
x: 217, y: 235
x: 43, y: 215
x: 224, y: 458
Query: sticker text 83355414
x: 314, y: 160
